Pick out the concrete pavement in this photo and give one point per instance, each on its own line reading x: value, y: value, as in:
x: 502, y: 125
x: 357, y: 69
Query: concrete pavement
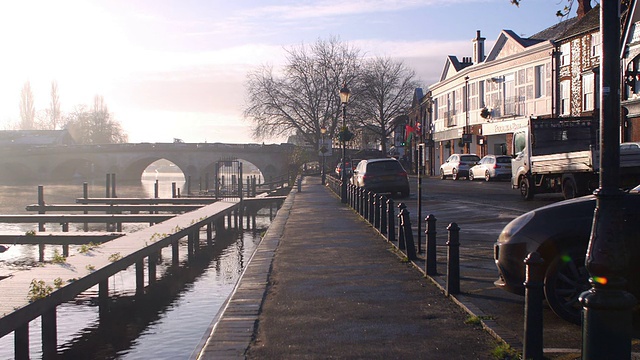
x: 324, y: 284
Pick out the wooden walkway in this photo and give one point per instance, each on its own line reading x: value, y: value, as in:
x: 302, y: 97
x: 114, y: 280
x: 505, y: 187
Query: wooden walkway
x: 82, y: 271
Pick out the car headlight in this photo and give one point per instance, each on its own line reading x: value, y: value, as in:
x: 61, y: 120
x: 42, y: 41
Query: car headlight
x: 514, y: 226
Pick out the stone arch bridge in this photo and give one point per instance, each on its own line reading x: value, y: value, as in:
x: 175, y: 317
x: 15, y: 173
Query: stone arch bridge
x: 128, y: 161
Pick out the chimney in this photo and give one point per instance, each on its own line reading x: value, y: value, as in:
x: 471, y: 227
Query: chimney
x: 583, y: 7
x: 478, y: 48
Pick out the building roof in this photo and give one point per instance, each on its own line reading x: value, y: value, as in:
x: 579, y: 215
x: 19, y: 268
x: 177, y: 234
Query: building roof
x: 589, y: 22
x: 36, y: 137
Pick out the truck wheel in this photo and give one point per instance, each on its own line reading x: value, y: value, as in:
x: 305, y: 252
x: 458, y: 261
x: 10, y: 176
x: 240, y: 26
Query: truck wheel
x: 525, y: 188
x: 569, y: 190
x: 567, y: 278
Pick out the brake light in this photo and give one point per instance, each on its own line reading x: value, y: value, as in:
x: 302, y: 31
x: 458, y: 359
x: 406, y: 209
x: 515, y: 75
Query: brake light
x: 403, y: 173
x: 496, y: 166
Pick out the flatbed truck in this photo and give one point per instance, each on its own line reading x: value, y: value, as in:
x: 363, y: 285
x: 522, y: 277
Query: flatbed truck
x: 561, y: 155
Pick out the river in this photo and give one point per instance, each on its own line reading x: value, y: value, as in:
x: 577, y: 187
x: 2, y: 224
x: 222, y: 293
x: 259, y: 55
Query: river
x: 165, y: 324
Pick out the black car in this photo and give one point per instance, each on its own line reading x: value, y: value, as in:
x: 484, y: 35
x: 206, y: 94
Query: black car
x: 560, y: 233
x: 382, y: 175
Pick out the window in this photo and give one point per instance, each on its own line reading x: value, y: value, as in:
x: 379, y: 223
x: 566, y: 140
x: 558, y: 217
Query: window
x: 596, y: 43
x: 539, y: 81
x: 565, y: 97
x: 565, y: 56
x: 588, y: 92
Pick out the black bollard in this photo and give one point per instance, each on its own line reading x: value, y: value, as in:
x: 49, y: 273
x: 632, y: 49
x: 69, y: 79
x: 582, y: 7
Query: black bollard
x: 430, y: 257
x: 534, y: 295
x: 372, y: 207
x: 376, y: 213
x: 401, y: 242
x: 391, y: 221
x: 383, y: 214
x: 360, y: 201
x: 365, y: 198
x: 453, y: 260
x: 405, y: 224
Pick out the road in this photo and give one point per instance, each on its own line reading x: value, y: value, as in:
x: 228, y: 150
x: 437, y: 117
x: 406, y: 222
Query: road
x: 481, y: 209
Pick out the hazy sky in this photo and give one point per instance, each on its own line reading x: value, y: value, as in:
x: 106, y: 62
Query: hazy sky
x: 176, y: 68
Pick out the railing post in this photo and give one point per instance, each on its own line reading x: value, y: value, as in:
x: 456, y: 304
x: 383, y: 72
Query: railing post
x: 453, y: 260
x: 430, y: 257
x: 372, y: 207
x: 383, y: 214
x: 401, y: 242
x: 376, y: 214
x: 405, y: 219
x: 391, y: 221
x: 361, y: 201
x: 365, y: 198
x: 534, y: 282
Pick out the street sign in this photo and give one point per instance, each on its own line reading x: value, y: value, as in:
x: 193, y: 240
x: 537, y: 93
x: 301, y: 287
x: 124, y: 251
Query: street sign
x: 324, y: 148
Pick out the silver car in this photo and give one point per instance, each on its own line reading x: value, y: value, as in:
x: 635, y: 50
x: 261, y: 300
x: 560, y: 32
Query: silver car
x: 458, y: 165
x: 492, y: 167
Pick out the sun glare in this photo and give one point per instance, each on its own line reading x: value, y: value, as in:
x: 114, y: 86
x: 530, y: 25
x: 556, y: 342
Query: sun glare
x: 71, y: 42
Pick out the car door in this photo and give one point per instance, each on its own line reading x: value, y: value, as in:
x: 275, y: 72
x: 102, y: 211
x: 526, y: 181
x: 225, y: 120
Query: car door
x: 450, y: 164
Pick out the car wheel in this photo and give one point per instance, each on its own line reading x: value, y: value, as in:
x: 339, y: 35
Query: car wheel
x: 487, y: 176
x: 525, y: 188
x: 442, y: 174
x: 454, y: 174
x: 470, y: 177
x: 567, y: 278
x: 569, y: 189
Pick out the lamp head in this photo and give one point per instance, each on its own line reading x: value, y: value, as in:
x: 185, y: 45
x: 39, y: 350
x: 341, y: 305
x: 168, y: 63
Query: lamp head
x: 323, y: 130
x: 344, y: 94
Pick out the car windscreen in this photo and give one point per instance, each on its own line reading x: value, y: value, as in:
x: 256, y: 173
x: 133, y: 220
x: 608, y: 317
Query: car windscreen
x: 469, y: 158
x: 384, y: 166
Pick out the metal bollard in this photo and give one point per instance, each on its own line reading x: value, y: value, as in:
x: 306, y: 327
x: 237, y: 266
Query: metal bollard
x: 401, y: 243
x: 383, y: 214
x: 453, y: 260
x: 361, y: 202
x: 372, y: 207
x: 430, y: 256
x: 391, y: 221
x: 300, y: 184
x: 376, y: 214
x: 405, y: 224
x: 534, y: 282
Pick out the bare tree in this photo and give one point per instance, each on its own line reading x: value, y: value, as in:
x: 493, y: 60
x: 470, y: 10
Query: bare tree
x: 305, y: 96
x: 27, y: 108
x: 54, y: 107
x: 385, y: 91
x: 96, y: 126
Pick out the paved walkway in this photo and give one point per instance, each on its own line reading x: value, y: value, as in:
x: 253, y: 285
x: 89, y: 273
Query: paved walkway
x: 324, y: 284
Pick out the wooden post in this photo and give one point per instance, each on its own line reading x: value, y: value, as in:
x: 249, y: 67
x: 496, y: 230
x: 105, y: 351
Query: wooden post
x: 21, y: 342
x: 49, y: 334
x: 139, y: 277
x: 41, y: 205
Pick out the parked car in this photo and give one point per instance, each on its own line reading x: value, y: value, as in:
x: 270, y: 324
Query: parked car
x: 630, y: 148
x: 458, y: 165
x: 349, y: 169
x: 381, y: 176
x: 491, y: 167
x: 560, y: 233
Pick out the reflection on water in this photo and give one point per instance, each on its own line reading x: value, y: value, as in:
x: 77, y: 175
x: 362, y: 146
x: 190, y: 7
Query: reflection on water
x: 166, y: 323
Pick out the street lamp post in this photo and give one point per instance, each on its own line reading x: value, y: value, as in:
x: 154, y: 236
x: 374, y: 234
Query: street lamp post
x: 344, y: 99
x: 607, y: 317
x: 323, y: 150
